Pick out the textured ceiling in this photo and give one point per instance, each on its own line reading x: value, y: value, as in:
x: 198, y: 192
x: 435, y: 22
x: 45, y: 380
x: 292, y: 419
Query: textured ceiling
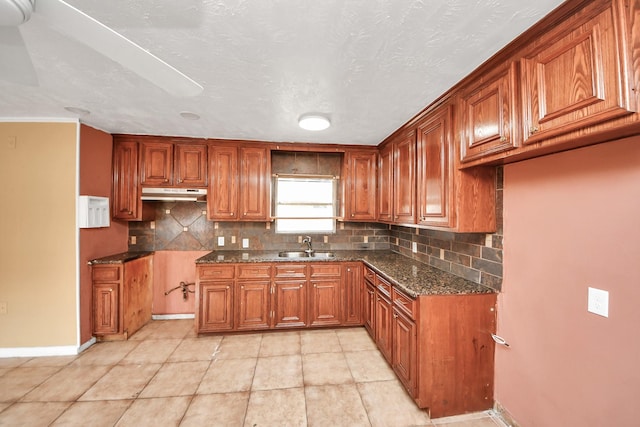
x: 369, y: 65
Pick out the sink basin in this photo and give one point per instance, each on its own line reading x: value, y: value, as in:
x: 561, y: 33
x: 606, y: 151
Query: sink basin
x: 302, y: 254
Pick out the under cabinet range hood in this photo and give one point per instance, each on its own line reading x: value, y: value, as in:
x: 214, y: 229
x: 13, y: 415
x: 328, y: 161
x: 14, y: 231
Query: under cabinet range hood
x: 161, y: 194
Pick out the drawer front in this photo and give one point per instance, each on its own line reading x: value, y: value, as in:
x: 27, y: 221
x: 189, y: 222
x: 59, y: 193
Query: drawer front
x: 254, y: 271
x: 383, y: 286
x: 369, y: 274
x: 404, y: 303
x: 325, y: 270
x: 298, y: 271
x: 105, y: 273
x: 216, y: 272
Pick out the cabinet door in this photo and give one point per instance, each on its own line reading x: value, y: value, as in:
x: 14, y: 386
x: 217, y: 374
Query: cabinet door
x: 215, y: 311
x: 325, y: 302
x: 576, y: 79
x: 254, y: 184
x: 369, y: 308
x: 360, y: 200
x: 156, y: 163
x: 385, y: 184
x: 404, y: 349
x: 488, y: 115
x: 126, y: 201
x: 352, y: 294
x: 191, y: 165
x: 383, y: 326
x: 289, y: 305
x: 105, y: 308
x: 254, y: 305
x: 222, y: 200
x: 404, y: 179
x: 434, y: 171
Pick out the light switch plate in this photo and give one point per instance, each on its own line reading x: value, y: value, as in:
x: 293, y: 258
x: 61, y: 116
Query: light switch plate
x: 220, y: 240
x: 245, y: 243
x: 598, y: 302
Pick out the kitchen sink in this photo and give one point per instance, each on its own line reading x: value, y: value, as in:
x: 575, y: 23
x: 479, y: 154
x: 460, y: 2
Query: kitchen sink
x: 302, y: 254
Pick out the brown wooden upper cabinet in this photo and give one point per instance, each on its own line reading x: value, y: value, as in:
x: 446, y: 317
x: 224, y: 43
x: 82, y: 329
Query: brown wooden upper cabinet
x: 157, y: 166
x: 488, y: 109
x: 397, y: 179
x: 578, y: 75
x: 360, y: 185
x: 239, y: 183
x: 126, y: 203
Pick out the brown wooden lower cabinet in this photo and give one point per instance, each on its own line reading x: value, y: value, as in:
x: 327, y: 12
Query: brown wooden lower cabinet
x: 121, y: 297
x: 215, y: 306
x: 290, y: 304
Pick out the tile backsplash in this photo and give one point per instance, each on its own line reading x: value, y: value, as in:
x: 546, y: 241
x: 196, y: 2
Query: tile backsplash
x: 184, y: 226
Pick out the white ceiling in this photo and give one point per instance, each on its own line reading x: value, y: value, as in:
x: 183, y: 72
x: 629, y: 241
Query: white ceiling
x: 369, y: 65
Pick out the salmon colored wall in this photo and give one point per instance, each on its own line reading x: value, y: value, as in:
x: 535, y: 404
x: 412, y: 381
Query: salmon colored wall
x: 38, y: 259
x: 169, y: 269
x: 95, y: 180
x: 571, y: 221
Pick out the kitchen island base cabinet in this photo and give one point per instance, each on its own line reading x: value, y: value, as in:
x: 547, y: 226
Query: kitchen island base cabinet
x: 121, y: 298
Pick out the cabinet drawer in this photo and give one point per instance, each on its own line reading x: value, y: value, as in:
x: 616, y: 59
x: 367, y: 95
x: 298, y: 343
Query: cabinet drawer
x: 254, y: 271
x: 404, y: 303
x: 325, y: 270
x: 369, y: 274
x: 290, y: 270
x: 216, y: 272
x: 383, y: 286
x: 105, y: 274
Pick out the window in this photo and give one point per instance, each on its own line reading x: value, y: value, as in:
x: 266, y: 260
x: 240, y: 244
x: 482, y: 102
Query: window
x: 305, y: 203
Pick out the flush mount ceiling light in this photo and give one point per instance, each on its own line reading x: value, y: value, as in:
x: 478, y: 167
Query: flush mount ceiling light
x: 78, y: 111
x: 313, y: 122
x: 189, y: 115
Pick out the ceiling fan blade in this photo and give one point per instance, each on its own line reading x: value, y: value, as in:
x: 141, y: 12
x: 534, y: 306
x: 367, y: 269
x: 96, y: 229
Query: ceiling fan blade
x: 16, y: 65
x: 80, y: 26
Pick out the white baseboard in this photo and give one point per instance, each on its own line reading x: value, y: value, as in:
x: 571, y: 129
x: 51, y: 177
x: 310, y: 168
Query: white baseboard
x: 173, y: 316
x: 67, y: 350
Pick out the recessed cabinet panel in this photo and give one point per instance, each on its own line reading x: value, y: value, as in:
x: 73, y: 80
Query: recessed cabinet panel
x: 385, y: 184
x: 105, y: 308
x: 126, y: 202
x: 488, y: 114
x: 254, y: 305
x: 290, y: 304
x: 404, y: 179
x: 254, y: 184
x: 191, y: 165
x: 222, y: 201
x: 360, y: 185
x: 156, y: 160
x: 215, y: 311
x: 576, y: 80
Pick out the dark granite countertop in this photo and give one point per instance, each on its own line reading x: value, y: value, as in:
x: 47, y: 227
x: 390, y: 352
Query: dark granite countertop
x: 119, y: 258
x: 413, y: 277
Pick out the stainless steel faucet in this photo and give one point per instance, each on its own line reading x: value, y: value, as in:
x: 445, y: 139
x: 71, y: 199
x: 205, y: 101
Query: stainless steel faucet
x: 307, y: 240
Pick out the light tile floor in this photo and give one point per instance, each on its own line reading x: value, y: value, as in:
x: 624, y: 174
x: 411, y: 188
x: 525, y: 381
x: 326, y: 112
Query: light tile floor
x: 166, y: 375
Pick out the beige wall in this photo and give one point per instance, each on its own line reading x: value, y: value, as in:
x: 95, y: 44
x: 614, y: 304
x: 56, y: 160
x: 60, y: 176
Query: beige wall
x: 38, y: 235
x: 571, y: 221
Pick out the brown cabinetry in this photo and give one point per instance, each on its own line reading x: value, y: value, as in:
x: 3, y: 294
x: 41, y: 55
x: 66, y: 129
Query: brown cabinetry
x: 385, y: 184
x: 325, y: 299
x: 126, y: 203
x: 239, y: 183
x: 397, y: 179
x: 121, y: 297
x: 462, y: 201
x: 488, y: 114
x: 360, y: 185
x: 439, y: 346
x: 166, y: 164
x: 214, y: 298
x: 290, y: 303
x: 352, y: 288
x: 577, y: 75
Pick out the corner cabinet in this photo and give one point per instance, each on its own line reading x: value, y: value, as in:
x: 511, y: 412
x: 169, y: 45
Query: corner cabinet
x: 122, y: 297
x: 449, y: 198
x: 439, y: 346
x: 360, y: 185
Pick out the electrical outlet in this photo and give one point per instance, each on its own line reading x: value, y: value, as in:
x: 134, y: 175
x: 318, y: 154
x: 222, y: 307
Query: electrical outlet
x: 245, y: 243
x: 233, y: 240
x: 133, y: 240
x: 3, y: 307
x: 414, y: 247
x: 220, y: 240
x: 366, y: 239
x: 598, y: 302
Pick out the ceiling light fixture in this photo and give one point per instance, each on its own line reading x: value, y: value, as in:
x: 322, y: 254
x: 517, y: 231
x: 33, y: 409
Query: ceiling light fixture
x: 313, y: 122
x: 78, y: 111
x: 189, y: 115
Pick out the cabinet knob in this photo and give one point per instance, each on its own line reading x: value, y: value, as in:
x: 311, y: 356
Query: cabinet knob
x: 503, y: 138
x: 166, y: 180
x: 110, y: 290
x: 231, y: 214
x: 533, y: 129
x: 395, y: 316
x: 130, y: 212
x: 301, y: 285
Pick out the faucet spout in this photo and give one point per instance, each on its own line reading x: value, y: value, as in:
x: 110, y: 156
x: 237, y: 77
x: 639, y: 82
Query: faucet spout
x: 307, y: 240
